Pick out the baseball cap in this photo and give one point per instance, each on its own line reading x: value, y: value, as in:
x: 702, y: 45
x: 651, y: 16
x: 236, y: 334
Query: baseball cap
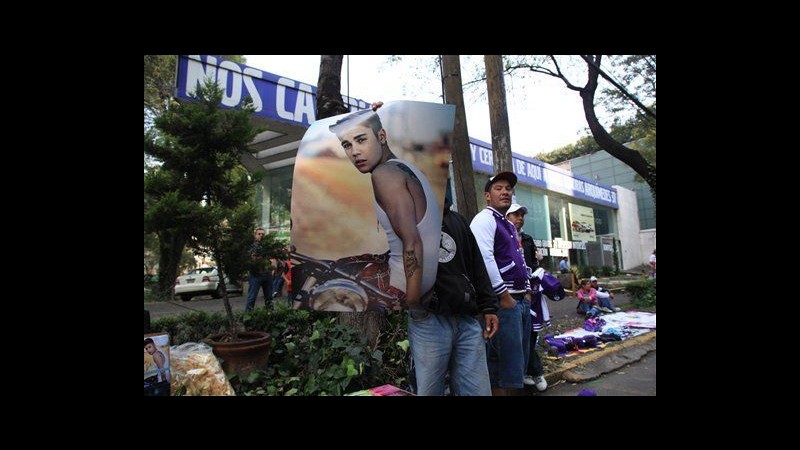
x: 516, y: 207
x: 593, y: 279
x: 508, y: 176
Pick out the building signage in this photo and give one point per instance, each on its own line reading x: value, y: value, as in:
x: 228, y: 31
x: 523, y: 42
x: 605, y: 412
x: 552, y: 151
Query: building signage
x: 543, y: 175
x: 274, y: 96
x: 582, y: 223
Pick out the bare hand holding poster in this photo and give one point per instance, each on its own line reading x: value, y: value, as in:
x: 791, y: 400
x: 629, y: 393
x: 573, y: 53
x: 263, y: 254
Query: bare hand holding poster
x: 367, y: 200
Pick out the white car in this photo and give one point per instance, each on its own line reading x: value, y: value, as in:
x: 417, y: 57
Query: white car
x: 202, y: 281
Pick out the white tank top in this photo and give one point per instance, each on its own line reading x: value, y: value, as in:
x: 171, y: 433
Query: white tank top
x: 430, y: 232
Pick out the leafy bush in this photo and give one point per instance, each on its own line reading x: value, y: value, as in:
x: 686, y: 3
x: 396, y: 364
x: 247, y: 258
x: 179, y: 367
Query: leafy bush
x: 643, y: 293
x: 311, y: 353
x: 587, y: 271
x: 190, y: 327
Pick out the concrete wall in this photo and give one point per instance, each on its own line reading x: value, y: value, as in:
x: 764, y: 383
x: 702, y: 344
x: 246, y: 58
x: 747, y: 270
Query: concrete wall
x: 628, y: 227
x: 647, y: 238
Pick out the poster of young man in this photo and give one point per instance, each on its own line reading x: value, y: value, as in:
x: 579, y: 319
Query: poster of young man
x: 156, y: 364
x: 367, y: 200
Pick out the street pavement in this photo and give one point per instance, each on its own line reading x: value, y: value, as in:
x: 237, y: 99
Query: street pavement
x: 635, y: 379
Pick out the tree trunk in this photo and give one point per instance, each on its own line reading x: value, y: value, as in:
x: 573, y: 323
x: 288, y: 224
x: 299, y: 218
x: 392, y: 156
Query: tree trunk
x: 228, y: 310
x: 170, y: 248
x: 464, y: 182
x: 329, y: 103
x: 498, y: 113
x: 329, y: 87
x: 632, y: 158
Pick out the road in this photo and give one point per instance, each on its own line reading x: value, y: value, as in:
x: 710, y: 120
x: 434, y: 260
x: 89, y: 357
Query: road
x: 202, y: 303
x: 636, y: 379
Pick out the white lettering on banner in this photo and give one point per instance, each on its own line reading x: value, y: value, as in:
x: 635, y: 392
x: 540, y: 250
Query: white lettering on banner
x: 486, y: 156
x: 520, y: 166
x: 543, y: 251
x: 249, y: 73
x: 558, y: 179
x: 280, y: 98
x: 579, y: 245
x: 304, y: 104
x: 473, y: 148
x: 228, y: 76
x: 236, y: 83
x: 541, y: 243
x: 534, y: 171
x: 196, y: 73
x: 560, y: 243
x: 598, y: 192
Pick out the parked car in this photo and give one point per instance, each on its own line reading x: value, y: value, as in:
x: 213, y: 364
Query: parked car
x: 202, y: 281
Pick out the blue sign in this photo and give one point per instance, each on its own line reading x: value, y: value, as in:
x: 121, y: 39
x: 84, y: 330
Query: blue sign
x: 546, y: 176
x: 274, y: 96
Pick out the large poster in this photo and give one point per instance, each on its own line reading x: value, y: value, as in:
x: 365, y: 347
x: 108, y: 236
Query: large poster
x: 582, y: 220
x: 367, y: 198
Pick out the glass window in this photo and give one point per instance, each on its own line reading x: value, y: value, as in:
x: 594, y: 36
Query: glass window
x: 555, y: 206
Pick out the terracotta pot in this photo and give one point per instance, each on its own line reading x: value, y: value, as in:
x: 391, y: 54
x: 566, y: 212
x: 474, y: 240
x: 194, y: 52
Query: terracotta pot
x: 249, y: 353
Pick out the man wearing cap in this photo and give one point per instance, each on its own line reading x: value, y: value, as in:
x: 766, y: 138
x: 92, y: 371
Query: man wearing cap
x: 541, y: 315
x: 604, y: 297
x: 507, y: 351
x: 405, y: 205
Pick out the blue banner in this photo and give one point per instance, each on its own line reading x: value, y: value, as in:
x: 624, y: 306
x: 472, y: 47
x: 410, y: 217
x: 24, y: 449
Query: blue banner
x: 274, y: 96
x: 546, y: 176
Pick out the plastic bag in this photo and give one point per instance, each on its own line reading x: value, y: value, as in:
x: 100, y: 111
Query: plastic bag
x: 196, y: 371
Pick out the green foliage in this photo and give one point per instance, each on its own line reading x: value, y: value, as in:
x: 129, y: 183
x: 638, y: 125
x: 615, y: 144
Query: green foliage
x: 639, y: 131
x: 190, y: 327
x: 587, y: 271
x: 311, y: 354
x: 643, y: 293
x: 606, y: 271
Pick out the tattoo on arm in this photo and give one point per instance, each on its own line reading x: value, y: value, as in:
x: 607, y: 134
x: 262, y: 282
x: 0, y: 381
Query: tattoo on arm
x: 411, y: 263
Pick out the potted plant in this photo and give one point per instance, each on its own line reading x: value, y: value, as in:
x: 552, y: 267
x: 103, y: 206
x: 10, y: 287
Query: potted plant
x: 241, y: 351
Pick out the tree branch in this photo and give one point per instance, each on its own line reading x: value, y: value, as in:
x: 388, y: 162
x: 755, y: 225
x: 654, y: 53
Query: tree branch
x: 622, y: 89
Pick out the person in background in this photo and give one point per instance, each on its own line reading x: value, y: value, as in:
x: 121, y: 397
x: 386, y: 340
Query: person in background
x: 562, y: 266
x: 260, y: 271
x: 540, y: 313
x: 604, y: 296
x: 444, y: 332
x: 508, y: 350
x: 587, y: 299
x: 653, y: 264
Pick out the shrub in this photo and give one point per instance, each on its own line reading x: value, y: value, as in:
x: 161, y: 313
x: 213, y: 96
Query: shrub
x: 606, y: 271
x: 643, y: 293
x: 311, y: 354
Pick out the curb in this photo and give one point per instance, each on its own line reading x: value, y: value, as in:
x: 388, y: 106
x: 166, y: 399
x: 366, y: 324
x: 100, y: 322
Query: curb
x: 566, y: 372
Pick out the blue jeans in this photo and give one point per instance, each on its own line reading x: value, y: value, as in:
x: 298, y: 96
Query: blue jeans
x: 440, y: 343
x: 277, y: 285
x: 605, y: 303
x: 255, y: 282
x: 590, y: 311
x: 507, y: 353
x: 534, y: 361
